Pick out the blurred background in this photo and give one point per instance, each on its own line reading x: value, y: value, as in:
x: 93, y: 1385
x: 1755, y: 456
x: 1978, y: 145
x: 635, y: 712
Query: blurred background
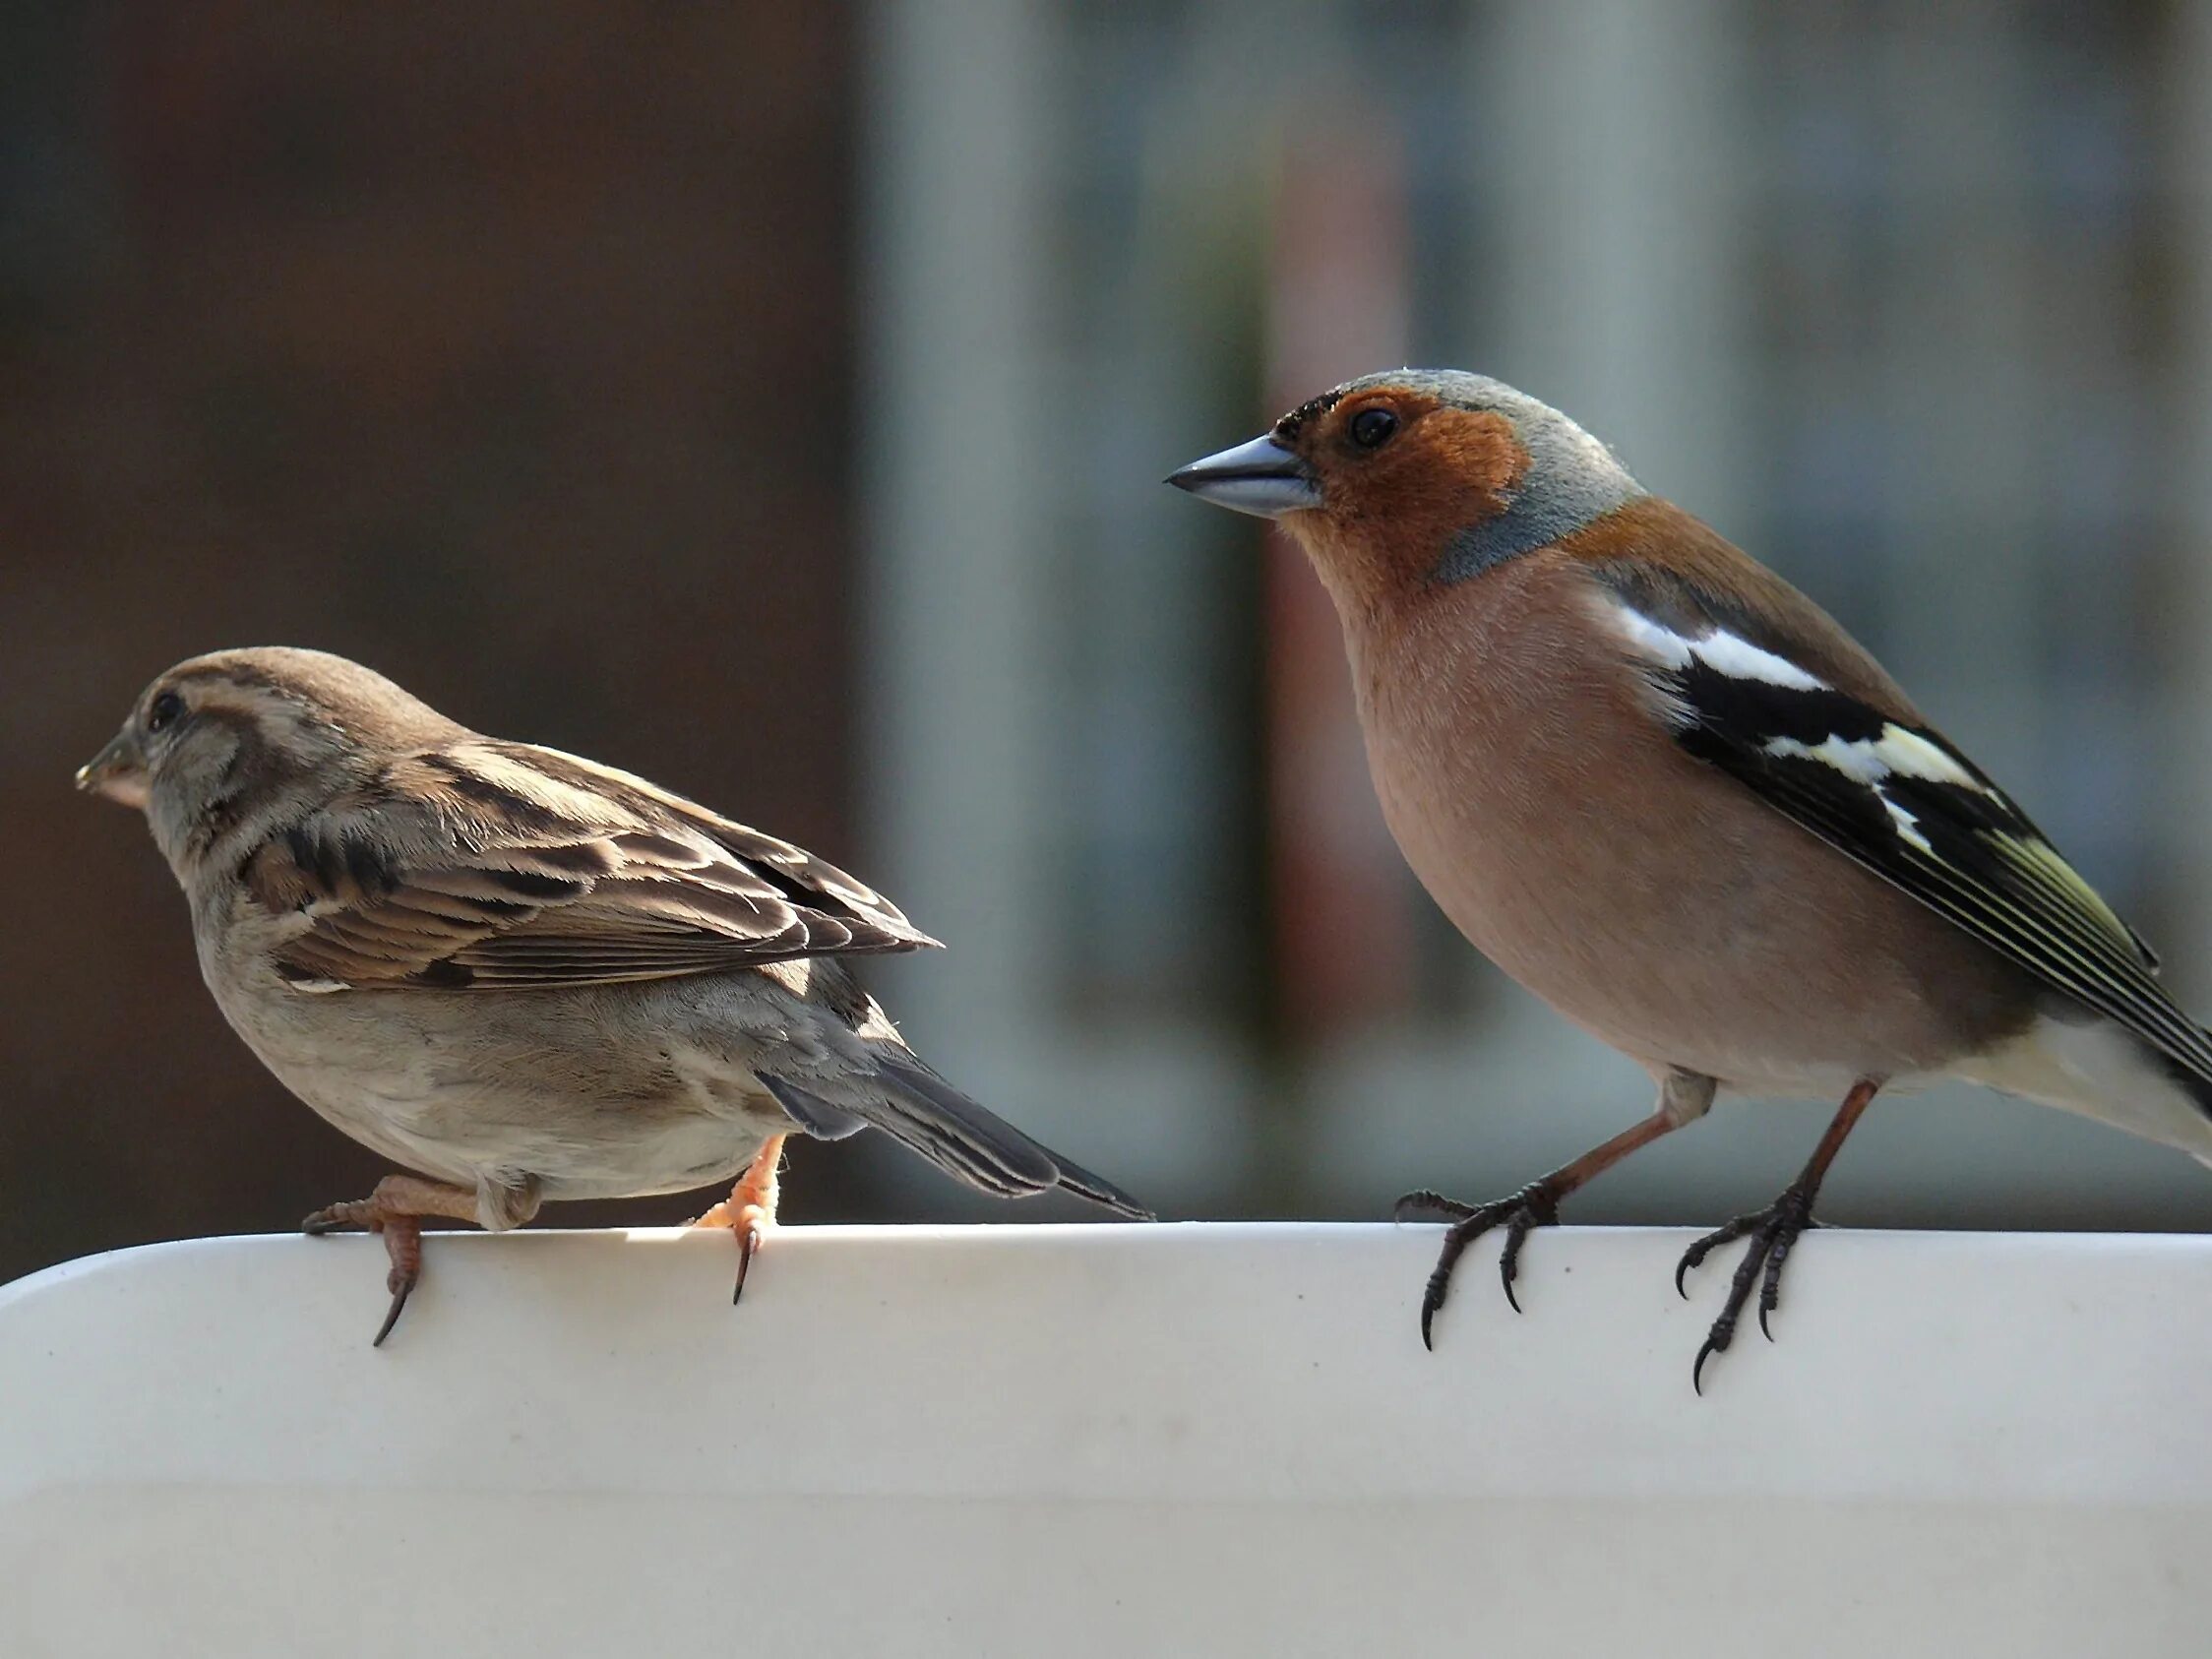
x: 772, y: 399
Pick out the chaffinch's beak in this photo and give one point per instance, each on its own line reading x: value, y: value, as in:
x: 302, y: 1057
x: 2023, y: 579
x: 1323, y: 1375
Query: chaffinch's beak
x: 117, y: 773
x: 1260, y: 477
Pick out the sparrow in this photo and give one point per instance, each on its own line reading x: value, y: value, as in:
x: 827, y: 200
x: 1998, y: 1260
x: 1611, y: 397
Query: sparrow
x: 519, y: 974
x: 1667, y: 793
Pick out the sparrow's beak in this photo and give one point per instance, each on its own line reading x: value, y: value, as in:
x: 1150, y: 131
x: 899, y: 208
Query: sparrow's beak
x: 1260, y: 477
x: 117, y: 771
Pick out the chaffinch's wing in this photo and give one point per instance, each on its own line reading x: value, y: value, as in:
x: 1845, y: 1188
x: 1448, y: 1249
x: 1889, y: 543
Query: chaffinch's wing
x: 1839, y: 751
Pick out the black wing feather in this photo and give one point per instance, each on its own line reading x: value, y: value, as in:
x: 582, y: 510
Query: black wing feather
x: 1955, y: 843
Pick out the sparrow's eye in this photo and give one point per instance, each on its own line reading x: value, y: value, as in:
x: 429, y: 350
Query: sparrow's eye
x: 163, y: 710
x: 1372, y: 428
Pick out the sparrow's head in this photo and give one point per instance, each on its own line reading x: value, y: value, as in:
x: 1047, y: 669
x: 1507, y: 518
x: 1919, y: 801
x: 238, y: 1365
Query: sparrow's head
x: 1417, y: 476
x: 239, y: 735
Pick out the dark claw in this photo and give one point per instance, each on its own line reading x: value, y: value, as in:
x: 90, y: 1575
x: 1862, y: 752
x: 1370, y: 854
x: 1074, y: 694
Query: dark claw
x: 1697, y: 1370
x: 1770, y: 1287
x: 400, y: 1287
x: 748, y: 1246
x: 1425, y: 1205
x: 1440, y: 1284
x: 1772, y: 1231
x: 1770, y: 1291
x: 1508, y: 1260
x: 1704, y: 1247
x: 1534, y: 1206
x: 402, y: 1242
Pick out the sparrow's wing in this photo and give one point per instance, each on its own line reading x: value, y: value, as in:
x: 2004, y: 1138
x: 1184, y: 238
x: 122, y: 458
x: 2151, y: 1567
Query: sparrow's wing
x: 1857, y: 767
x: 498, y: 866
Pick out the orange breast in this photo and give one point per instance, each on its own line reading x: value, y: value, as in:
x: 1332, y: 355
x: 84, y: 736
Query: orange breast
x: 1645, y: 896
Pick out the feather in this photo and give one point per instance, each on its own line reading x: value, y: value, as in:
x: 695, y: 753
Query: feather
x: 476, y: 864
x: 923, y: 1112
x: 1861, y: 771
x: 811, y: 1112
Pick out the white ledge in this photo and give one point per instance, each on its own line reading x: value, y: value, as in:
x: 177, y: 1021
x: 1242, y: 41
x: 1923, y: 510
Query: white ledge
x: 1116, y: 1440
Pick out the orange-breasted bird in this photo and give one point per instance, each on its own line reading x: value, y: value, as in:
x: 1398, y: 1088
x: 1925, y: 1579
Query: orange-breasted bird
x: 1666, y: 793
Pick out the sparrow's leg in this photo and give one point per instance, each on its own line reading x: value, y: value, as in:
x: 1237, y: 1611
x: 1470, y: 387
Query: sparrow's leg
x: 1772, y: 1231
x: 395, y: 1210
x: 1683, y: 1097
x: 750, y: 1209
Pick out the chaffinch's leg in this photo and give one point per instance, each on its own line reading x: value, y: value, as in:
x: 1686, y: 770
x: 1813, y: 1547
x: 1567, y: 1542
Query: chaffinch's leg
x: 1683, y: 1098
x: 395, y: 1210
x: 750, y: 1209
x: 1772, y: 1231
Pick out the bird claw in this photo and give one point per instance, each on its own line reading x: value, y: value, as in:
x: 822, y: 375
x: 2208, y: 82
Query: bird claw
x: 752, y: 1229
x: 1772, y: 1232
x: 401, y: 1285
x: 1696, y: 1254
x: 749, y: 1212
x: 402, y: 1246
x: 750, y: 1223
x: 1425, y: 1205
x: 1534, y: 1205
x: 356, y: 1212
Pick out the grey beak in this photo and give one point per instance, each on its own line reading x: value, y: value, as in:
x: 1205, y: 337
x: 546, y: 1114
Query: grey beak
x: 1260, y: 477
x: 116, y: 772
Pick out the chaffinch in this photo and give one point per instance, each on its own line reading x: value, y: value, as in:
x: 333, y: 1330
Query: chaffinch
x: 1665, y: 791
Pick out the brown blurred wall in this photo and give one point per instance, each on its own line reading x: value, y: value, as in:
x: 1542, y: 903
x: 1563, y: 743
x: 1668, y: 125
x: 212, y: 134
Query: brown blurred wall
x: 504, y: 347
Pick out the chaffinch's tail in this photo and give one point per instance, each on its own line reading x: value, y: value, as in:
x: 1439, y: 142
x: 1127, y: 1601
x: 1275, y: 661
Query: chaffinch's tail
x: 2083, y: 1062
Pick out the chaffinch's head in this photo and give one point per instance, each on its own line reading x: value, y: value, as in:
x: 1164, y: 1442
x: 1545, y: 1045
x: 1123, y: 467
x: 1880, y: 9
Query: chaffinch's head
x: 1416, y: 476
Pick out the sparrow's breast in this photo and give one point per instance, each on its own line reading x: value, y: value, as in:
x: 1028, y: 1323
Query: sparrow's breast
x: 596, y: 1091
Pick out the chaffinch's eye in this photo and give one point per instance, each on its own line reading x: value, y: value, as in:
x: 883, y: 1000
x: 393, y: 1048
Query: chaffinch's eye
x: 163, y: 710
x: 1372, y: 428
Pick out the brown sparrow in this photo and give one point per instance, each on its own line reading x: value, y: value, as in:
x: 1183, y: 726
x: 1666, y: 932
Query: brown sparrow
x: 525, y: 975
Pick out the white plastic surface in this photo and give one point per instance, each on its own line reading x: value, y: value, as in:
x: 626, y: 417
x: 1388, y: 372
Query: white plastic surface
x: 1105, y: 1441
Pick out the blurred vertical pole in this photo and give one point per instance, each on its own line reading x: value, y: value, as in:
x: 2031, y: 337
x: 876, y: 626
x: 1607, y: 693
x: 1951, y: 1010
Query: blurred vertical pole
x: 1343, y: 926
x: 1610, y: 139
x: 1967, y: 570
x: 963, y: 440
x: 2184, y: 748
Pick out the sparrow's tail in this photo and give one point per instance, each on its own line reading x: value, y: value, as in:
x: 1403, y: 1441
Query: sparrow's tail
x: 919, y: 1109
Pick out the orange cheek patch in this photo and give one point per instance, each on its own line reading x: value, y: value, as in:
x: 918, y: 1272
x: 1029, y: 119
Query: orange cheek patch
x: 1453, y: 469
x: 1476, y: 451
x: 1453, y: 462
x: 1389, y: 523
